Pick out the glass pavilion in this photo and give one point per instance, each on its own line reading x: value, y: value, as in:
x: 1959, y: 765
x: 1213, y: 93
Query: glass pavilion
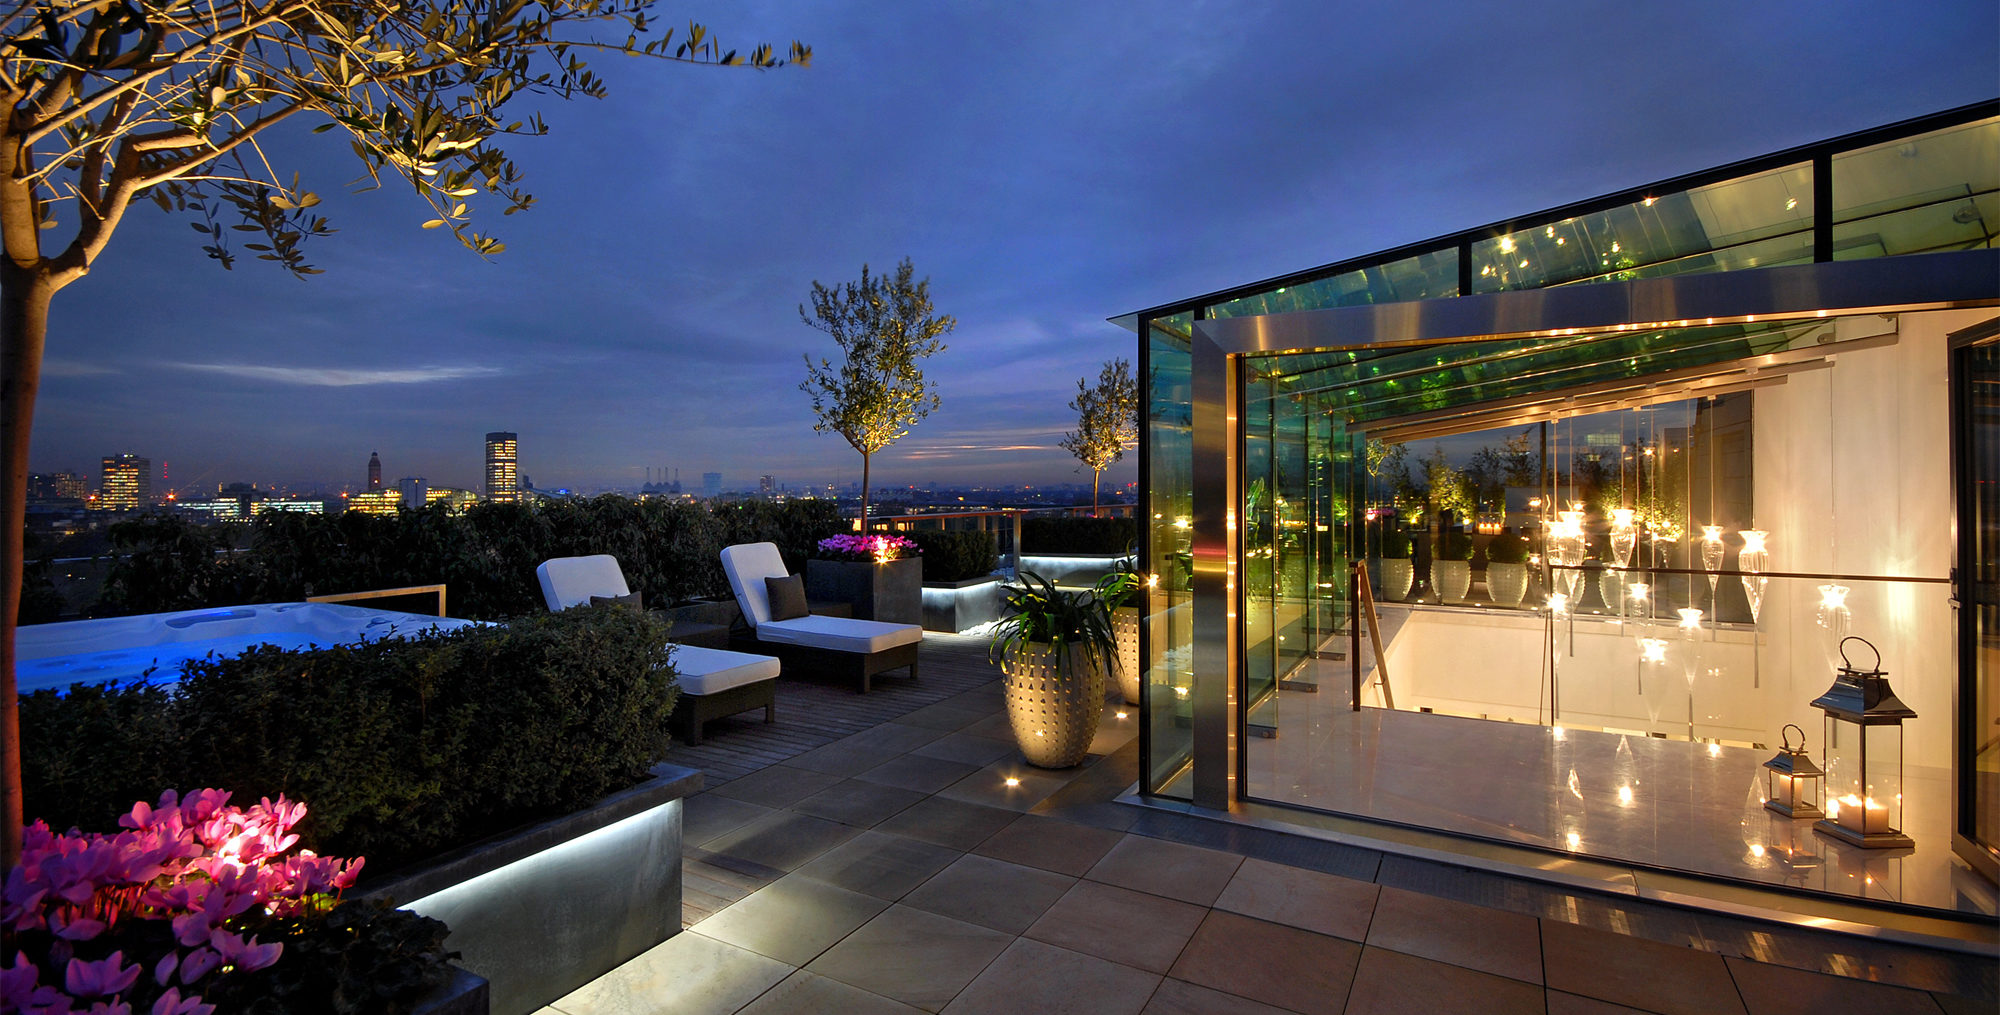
x: 1542, y: 533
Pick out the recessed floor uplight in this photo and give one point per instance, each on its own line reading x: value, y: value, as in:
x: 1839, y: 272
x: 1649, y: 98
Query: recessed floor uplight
x: 1121, y: 715
x: 1011, y: 781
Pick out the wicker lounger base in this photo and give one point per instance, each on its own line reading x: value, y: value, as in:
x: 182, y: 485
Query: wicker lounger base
x: 859, y: 667
x: 693, y: 711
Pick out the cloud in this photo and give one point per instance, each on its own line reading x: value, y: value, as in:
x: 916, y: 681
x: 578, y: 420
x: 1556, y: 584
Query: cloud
x: 72, y: 368
x: 332, y: 377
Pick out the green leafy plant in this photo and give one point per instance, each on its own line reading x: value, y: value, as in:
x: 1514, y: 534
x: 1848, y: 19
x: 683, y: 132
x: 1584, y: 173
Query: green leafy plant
x: 1507, y: 548
x: 363, y: 956
x: 405, y: 747
x: 1120, y: 588
x: 1059, y: 619
x: 1395, y: 545
x: 1454, y: 545
x: 1107, y: 421
x: 956, y: 556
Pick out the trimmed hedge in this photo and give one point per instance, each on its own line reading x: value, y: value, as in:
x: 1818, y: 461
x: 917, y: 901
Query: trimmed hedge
x: 401, y: 748
x: 486, y: 555
x: 1078, y: 535
x: 956, y: 556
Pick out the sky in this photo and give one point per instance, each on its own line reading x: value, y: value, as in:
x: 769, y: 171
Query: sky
x: 1046, y: 165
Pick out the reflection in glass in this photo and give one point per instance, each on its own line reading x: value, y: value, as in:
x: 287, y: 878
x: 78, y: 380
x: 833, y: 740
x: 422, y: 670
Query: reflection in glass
x: 1169, y: 608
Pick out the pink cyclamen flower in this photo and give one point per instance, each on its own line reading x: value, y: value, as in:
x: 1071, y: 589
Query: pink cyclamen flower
x: 244, y: 953
x: 100, y: 979
x: 172, y: 1003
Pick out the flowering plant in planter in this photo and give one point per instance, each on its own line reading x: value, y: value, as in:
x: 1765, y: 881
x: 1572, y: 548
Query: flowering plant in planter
x: 165, y: 915
x: 878, y: 549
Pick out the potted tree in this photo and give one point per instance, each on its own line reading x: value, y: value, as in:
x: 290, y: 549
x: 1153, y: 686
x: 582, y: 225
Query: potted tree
x: 1397, y: 571
x: 1054, y: 646
x: 1451, y: 566
x: 1507, y: 569
x: 1119, y: 592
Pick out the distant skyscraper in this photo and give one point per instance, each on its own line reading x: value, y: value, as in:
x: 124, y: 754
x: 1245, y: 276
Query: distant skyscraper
x: 503, y: 478
x: 376, y: 502
x: 127, y: 483
x: 711, y: 484
x: 375, y: 471
x: 767, y: 486
x: 44, y: 486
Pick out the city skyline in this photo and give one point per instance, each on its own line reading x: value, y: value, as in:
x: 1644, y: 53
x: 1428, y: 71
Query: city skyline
x: 644, y: 313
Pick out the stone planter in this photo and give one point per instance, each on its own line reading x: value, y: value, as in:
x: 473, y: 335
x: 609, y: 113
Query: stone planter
x: 957, y: 607
x: 891, y: 592
x: 545, y: 910
x: 464, y: 994
x: 1081, y: 570
x: 1452, y: 579
x: 1507, y: 583
x: 1125, y: 633
x: 1054, y: 719
x: 1397, y: 576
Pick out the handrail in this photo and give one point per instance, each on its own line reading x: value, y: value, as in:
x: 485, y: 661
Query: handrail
x: 409, y: 590
x: 1365, y: 597
x: 1755, y: 574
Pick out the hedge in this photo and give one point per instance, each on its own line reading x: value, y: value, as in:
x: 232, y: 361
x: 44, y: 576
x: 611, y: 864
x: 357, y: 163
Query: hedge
x: 956, y: 556
x: 486, y: 555
x: 1078, y: 535
x: 401, y: 748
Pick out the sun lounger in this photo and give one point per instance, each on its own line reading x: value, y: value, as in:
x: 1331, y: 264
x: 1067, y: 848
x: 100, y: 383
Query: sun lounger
x: 847, y: 648
x: 714, y: 682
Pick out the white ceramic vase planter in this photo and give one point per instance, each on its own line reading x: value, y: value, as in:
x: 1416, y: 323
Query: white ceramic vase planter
x: 1452, y: 579
x: 1054, y: 717
x: 1507, y: 584
x: 1397, y: 576
x: 1125, y: 632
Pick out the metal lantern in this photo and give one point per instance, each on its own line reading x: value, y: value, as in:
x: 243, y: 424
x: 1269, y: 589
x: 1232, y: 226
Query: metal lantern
x: 1791, y: 780
x: 1864, y: 756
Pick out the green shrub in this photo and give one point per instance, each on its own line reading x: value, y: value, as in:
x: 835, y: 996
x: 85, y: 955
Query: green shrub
x: 1453, y: 544
x: 1507, y: 548
x: 1396, y: 544
x: 956, y: 556
x: 1078, y: 535
x: 402, y: 748
x: 361, y: 957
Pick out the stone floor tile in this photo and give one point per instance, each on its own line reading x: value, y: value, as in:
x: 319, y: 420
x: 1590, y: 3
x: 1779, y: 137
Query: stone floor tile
x: 1119, y: 924
x: 793, y: 919
x: 776, y: 786
x: 1050, y: 844
x: 1391, y: 983
x: 1476, y: 937
x: 1326, y: 903
x: 1113, y: 732
x: 1632, y: 971
x: 1031, y: 976
x: 1571, y: 1004
x: 990, y: 785
x: 915, y: 957
x: 810, y: 992
x: 944, y: 717
x: 953, y: 823
x: 857, y: 803
x: 1953, y: 1004
x: 1770, y: 990
x: 1269, y: 962
x: 991, y: 893
x: 1177, y: 871
x: 916, y: 772
x: 707, y: 815
x: 993, y: 727
x: 1179, y: 997
x: 966, y: 748
x: 780, y: 842
x: 842, y: 759
x: 880, y: 864
x: 687, y: 974
x: 897, y: 737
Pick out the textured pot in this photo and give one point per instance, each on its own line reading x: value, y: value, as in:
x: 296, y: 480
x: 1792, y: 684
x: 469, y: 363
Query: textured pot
x: 1125, y: 631
x: 1397, y: 575
x: 1054, y: 719
x: 1507, y: 583
x: 891, y: 592
x: 1452, y: 579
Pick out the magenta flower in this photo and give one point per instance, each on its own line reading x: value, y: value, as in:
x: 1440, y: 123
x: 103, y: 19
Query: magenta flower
x: 171, y: 1003
x: 100, y: 979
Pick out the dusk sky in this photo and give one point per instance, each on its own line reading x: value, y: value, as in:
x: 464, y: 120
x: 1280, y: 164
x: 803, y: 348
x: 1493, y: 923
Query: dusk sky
x: 1046, y: 164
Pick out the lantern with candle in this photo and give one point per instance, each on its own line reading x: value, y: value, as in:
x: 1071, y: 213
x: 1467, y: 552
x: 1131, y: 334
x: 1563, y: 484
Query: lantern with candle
x: 1863, y: 745
x: 1791, y: 780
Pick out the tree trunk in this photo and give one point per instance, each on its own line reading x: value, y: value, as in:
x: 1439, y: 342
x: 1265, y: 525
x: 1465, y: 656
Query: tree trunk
x: 24, y: 323
x: 864, y: 493
x: 1095, y: 475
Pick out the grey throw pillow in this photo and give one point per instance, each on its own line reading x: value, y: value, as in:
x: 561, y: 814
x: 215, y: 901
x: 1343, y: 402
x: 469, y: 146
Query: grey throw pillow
x: 629, y: 599
x: 788, y: 596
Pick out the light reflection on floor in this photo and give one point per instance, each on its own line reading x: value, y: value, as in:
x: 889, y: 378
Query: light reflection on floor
x: 1666, y: 803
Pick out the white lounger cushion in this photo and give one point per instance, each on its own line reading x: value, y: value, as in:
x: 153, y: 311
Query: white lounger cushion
x: 709, y: 670
x: 571, y: 581
x: 747, y: 565
x: 839, y: 634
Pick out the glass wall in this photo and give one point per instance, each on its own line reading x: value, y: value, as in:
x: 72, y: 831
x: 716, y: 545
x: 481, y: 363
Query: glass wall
x: 1169, y: 633
x: 1596, y: 619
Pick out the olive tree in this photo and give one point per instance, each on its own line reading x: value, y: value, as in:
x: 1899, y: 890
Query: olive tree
x: 113, y: 102
x: 1107, y: 421
x: 884, y: 326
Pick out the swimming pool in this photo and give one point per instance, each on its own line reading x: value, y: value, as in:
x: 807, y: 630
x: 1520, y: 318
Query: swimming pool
x: 123, y: 649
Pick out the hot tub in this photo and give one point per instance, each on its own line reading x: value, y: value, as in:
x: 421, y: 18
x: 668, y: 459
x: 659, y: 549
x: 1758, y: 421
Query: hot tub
x: 124, y: 649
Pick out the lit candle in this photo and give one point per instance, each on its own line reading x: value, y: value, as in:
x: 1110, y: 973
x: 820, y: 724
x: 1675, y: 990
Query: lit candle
x: 1621, y: 518
x: 1652, y: 650
x: 1639, y: 591
x: 1869, y: 818
x: 1690, y: 619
